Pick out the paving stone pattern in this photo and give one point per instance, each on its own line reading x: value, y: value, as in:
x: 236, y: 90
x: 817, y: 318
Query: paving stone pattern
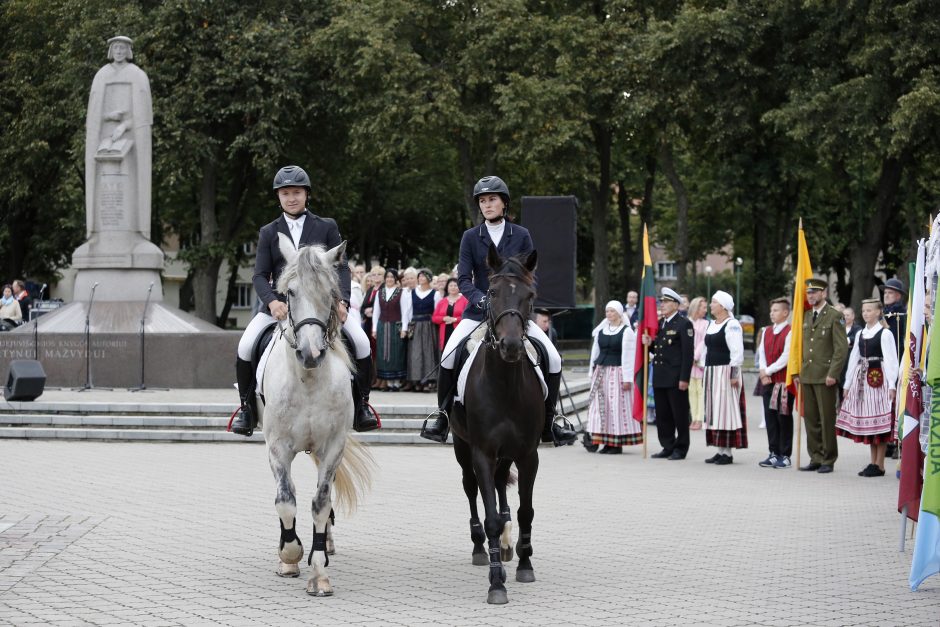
x: 186, y: 534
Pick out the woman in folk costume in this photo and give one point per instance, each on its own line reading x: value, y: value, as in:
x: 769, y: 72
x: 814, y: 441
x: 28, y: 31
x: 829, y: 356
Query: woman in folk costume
x: 423, y: 353
x: 389, y: 336
x: 610, y: 420
x: 867, y: 411
x: 725, y: 419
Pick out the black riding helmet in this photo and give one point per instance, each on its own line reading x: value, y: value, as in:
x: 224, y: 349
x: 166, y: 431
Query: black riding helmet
x: 291, y: 176
x: 491, y: 185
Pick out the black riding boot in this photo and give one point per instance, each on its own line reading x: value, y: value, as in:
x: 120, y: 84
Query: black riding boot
x: 246, y: 421
x: 561, y: 434
x: 445, y: 400
x: 363, y: 418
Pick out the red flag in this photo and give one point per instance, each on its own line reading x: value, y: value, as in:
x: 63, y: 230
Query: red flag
x: 648, y: 323
x: 912, y: 457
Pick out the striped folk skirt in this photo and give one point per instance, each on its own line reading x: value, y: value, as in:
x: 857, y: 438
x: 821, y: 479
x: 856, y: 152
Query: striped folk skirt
x: 866, y: 414
x: 610, y: 421
x: 725, y: 415
x: 390, y: 351
x: 423, y: 354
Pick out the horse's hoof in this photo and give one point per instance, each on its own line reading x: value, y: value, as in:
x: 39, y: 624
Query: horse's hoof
x: 288, y: 570
x: 497, y: 597
x: 505, y: 554
x: 292, y: 553
x: 525, y: 576
x: 319, y: 587
x: 481, y: 559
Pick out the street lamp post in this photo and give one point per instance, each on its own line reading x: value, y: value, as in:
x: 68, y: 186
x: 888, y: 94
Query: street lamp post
x: 738, y: 262
x: 708, y: 291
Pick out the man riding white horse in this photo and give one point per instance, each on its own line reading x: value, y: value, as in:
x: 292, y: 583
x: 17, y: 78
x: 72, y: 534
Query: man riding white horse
x: 492, y: 196
x: 292, y: 186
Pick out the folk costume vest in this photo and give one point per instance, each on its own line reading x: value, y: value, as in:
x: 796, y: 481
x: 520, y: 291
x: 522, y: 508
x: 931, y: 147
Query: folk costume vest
x: 773, y: 349
x: 610, y: 348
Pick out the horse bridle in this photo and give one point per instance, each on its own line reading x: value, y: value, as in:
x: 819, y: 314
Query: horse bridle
x: 492, y: 321
x: 329, y: 327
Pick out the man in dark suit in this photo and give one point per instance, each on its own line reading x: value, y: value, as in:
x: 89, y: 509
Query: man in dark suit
x: 673, y: 351
x: 492, y: 197
x: 292, y: 186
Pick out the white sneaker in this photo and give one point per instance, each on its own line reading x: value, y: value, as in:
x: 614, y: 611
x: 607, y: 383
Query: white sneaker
x: 770, y: 462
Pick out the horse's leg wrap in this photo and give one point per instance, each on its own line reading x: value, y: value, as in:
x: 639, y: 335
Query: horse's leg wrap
x: 319, y: 544
x: 524, y: 545
x: 477, y: 535
x: 288, y: 535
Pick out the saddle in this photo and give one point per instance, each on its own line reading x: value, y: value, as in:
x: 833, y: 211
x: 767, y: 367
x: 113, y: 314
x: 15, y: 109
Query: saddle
x: 535, y: 351
x: 260, y: 352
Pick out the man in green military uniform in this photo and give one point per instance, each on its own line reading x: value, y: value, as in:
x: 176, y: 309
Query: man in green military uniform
x: 825, y: 349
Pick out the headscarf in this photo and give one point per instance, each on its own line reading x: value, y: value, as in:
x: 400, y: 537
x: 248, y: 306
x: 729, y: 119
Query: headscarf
x: 617, y: 306
x: 724, y: 299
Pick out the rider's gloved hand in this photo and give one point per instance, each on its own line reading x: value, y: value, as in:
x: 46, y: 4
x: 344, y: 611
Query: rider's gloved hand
x: 483, y: 304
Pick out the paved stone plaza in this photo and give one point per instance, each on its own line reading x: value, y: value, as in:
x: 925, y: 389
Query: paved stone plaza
x: 166, y: 534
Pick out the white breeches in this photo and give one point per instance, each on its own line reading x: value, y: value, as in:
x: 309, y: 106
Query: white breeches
x: 261, y: 320
x: 465, y: 327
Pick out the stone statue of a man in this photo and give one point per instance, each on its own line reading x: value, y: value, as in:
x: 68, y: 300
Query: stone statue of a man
x: 118, y: 173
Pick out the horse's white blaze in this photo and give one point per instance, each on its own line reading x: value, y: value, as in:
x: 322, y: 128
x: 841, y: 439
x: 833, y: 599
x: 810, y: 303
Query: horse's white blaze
x: 505, y: 538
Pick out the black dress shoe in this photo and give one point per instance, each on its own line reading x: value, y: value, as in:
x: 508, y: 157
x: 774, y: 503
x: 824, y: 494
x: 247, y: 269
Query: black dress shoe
x: 713, y: 459
x: 724, y: 460
x: 436, y: 431
x: 611, y: 450
x: 824, y: 469
x: 677, y: 455
x: 864, y: 471
x: 810, y: 467
x: 663, y: 454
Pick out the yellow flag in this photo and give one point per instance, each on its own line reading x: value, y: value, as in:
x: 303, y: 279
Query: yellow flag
x: 804, y: 271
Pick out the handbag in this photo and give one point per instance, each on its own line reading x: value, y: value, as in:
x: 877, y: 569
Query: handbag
x: 875, y: 377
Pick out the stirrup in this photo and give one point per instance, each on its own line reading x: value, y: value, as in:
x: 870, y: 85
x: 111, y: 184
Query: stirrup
x: 243, y: 424
x: 562, y: 431
x: 367, y: 419
x: 439, y: 416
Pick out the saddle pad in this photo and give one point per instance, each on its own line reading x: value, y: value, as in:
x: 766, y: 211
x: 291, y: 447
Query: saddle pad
x: 262, y: 362
x: 462, y: 377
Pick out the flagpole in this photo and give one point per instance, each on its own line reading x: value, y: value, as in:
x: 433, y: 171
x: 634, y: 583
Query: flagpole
x: 799, y: 424
x: 646, y: 385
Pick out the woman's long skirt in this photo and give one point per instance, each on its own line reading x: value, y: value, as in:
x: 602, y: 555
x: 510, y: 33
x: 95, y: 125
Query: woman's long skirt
x: 866, y: 414
x: 610, y: 420
x: 423, y: 355
x: 390, y: 351
x: 725, y: 415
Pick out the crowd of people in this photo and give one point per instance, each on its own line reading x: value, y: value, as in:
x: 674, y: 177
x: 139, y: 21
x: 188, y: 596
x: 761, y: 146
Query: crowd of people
x: 14, y: 305
x: 848, y: 377
x: 409, y: 316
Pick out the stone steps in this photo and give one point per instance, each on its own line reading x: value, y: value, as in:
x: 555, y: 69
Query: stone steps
x: 196, y: 422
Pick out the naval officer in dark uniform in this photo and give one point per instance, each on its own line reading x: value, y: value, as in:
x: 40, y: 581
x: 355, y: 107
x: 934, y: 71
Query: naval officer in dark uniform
x: 672, y: 359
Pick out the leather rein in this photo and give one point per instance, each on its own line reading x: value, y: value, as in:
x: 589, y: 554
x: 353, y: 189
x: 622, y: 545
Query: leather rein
x: 330, y: 328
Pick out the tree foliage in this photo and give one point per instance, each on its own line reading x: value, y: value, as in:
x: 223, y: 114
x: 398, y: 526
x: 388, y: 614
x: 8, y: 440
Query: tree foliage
x: 720, y: 122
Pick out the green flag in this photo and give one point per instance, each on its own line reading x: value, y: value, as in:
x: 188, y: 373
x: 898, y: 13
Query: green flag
x: 930, y: 499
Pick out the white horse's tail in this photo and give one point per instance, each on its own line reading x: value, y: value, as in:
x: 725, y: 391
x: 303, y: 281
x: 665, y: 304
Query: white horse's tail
x: 353, y: 476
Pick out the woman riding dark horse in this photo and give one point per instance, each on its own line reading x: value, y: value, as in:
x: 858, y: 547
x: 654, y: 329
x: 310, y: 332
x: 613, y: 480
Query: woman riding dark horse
x: 500, y: 420
x: 492, y: 196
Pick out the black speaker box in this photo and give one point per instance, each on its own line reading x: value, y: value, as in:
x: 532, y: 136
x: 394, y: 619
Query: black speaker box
x: 26, y: 380
x: 552, y: 223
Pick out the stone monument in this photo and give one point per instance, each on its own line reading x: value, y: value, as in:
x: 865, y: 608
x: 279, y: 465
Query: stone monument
x: 118, y: 254
x: 127, y: 315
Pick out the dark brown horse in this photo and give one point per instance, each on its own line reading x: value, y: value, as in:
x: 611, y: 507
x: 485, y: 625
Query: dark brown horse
x: 500, y: 421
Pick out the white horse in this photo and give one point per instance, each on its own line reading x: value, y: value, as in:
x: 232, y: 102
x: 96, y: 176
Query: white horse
x: 308, y: 407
